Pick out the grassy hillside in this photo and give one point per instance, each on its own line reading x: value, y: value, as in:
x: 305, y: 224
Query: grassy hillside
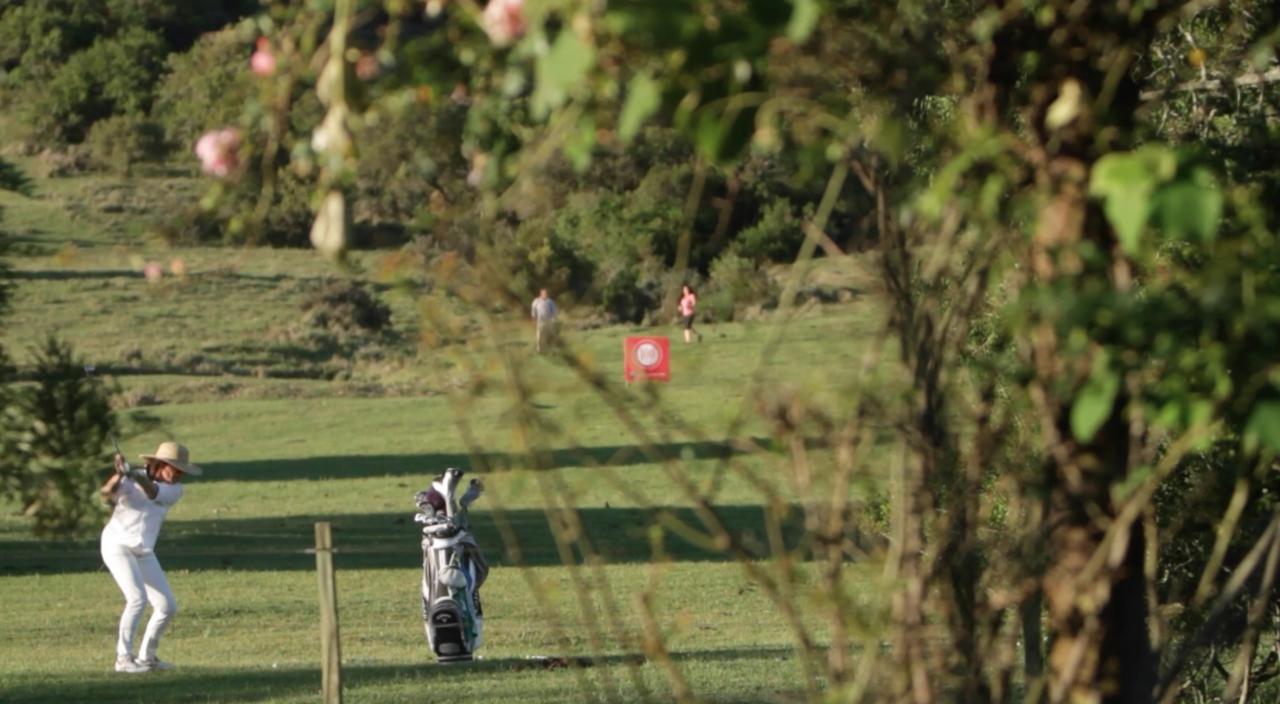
x: 292, y: 432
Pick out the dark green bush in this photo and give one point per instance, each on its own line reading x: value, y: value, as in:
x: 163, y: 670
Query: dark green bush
x: 775, y: 237
x: 346, y: 308
x: 13, y: 179
x: 5, y: 285
x: 405, y: 158
x: 543, y: 257
x: 115, y: 75
x: 625, y: 297
x: 73, y: 62
x: 37, y: 37
x: 205, y: 88
x: 287, y: 221
x: 117, y: 143
x: 737, y: 281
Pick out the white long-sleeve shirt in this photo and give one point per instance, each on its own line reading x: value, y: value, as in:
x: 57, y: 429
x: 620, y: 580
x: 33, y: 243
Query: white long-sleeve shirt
x: 135, y: 522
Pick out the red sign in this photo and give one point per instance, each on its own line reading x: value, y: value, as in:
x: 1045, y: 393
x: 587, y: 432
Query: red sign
x: 646, y: 358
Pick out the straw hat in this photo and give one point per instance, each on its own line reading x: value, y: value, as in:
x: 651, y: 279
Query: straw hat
x: 176, y: 455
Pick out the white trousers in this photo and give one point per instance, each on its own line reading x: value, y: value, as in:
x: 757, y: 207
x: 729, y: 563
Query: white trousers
x: 141, y: 580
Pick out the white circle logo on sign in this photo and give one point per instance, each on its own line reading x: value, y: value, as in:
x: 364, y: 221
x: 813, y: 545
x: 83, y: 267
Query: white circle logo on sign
x: 648, y: 354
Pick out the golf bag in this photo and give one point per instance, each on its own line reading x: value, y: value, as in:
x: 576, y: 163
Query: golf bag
x: 452, y: 569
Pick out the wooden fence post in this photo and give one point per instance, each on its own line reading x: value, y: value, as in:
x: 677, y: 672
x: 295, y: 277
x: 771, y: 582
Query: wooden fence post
x: 330, y: 642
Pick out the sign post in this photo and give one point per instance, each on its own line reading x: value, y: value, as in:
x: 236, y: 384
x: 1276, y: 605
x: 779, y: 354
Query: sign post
x: 330, y: 650
x: 646, y: 358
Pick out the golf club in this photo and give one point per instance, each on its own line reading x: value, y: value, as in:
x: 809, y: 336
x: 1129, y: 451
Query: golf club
x: 115, y: 443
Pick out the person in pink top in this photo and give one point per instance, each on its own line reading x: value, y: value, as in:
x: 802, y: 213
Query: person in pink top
x: 689, y: 304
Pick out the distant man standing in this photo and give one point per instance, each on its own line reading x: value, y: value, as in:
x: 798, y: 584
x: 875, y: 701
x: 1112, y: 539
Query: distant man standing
x: 544, y: 313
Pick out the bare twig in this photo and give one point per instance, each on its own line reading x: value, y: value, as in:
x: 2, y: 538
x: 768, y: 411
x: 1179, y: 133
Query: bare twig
x: 1215, y: 86
x: 1167, y: 690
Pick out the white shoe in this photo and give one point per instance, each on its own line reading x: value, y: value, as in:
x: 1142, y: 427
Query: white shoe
x: 126, y: 664
x: 155, y: 664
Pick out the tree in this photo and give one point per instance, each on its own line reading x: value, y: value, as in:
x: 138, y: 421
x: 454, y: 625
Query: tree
x: 52, y: 437
x: 1081, y: 308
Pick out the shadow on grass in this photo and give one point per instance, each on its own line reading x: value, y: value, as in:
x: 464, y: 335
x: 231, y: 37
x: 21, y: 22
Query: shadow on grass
x: 530, y: 680
x: 431, y: 464
x: 68, y: 274
x: 391, y: 541
x: 92, y: 274
x: 284, y: 365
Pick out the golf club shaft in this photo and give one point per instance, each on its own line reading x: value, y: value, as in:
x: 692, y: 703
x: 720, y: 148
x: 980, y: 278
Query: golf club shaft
x: 115, y: 442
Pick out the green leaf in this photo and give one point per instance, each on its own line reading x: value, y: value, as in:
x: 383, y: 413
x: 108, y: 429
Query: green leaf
x: 1264, y: 425
x: 1125, y: 182
x: 1093, y: 404
x: 722, y: 137
x: 1190, y: 208
x: 1161, y: 161
x: 580, y: 143
x: 708, y: 132
x: 643, y: 100
x: 559, y: 71
x: 804, y: 17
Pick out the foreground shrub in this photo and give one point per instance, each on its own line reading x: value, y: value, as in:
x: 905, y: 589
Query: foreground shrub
x: 52, y: 439
x: 13, y: 179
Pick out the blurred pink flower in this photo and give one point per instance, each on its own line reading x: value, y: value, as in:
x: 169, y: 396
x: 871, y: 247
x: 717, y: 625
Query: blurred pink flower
x: 367, y: 67
x: 475, y: 176
x: 217, y: 150
x: 263, y: 62
x: 504, y: 21
x: 153, y: 272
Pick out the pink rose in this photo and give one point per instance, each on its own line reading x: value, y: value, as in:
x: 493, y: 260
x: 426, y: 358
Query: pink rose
x: 263, y: 62
x: 218, y: 151
x: 504, y: 21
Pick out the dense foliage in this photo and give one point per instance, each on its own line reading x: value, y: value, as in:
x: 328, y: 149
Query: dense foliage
x: 1026, y: 171
x: 1072, y: 208
x: 141, y: 82
x: 69, y: 63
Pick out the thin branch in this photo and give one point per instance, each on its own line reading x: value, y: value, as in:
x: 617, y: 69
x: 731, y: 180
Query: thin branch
x: 1216, y: 86
x: 1238, y: 685
x: 1226, y: 530
x: 1166, y: 691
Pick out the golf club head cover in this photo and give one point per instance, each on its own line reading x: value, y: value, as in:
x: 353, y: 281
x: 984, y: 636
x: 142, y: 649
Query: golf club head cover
x: 474, y: 489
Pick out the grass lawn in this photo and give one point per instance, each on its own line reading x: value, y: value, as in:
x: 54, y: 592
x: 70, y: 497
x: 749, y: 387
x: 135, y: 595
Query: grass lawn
x: 582, y: 520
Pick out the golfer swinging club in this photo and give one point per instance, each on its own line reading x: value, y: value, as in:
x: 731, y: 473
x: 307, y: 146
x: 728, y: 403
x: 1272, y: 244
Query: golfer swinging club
x: 141, y: 498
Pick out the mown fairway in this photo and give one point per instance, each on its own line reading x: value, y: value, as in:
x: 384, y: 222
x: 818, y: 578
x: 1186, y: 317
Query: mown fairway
x: 351, y: 443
